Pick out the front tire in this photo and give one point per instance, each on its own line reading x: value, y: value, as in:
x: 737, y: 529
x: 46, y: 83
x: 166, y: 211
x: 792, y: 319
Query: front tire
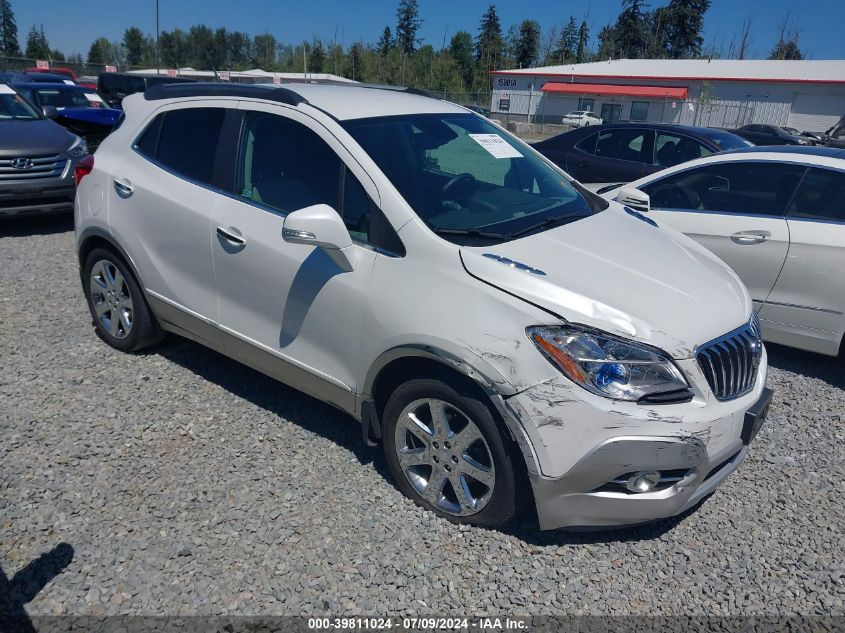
x: 446, y: 453
x: 118, y: 307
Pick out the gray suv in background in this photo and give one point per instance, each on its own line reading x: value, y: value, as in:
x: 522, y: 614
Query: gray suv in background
x: 37, y: 159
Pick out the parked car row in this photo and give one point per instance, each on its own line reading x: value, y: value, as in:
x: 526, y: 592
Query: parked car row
x: 622, y: 152
x: 485, y: 319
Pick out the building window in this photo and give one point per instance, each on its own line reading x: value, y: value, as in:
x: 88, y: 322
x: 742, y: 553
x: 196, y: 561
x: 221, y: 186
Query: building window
x: 639, y: 110
x: 586, y: 104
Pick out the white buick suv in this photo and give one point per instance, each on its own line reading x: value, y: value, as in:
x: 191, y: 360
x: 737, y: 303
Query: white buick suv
x: 493, y: 325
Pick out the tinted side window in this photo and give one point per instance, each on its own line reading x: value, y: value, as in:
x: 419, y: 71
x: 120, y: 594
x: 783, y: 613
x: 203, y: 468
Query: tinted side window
x: 736, y: 187
x: 588, y: 145
x: 148, y: 141
x: 187, y: 142
x: 821, y: 196
x: 673, y: 149
x: 621, y: 144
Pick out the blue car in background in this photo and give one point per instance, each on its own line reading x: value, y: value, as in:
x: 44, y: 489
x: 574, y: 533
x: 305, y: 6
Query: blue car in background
x: 81, y: 110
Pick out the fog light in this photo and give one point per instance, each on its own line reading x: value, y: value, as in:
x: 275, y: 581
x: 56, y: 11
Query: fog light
x: 643, y: 481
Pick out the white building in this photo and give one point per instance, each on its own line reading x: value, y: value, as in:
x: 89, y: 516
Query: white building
x: 806, y: 94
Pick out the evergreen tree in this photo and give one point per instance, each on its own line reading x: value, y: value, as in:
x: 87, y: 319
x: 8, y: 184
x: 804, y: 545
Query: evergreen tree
x: 316, y: 58
x: 489, y: 43
x: 460, y: 50
x: 37, y: 46
x: 583, y: 41
x: 631, y: 33
x: 135, y: 42
x: 408, y: 23
x: 526, y: 47
x: 356, y: 68
x: 567, y: 43
x: 9, y: 46
x: 684, y: 23
x: 385, y: 42
x: 786, y: 49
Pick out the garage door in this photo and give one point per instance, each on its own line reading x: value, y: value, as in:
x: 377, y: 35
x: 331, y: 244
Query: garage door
x: 815, y: 112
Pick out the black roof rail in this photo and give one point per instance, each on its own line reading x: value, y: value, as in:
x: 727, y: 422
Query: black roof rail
x: 410, y: 90
x: 210, y: 89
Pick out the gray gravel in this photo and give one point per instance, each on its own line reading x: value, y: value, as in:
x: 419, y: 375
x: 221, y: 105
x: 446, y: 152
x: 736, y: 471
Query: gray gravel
x: 184, y: 483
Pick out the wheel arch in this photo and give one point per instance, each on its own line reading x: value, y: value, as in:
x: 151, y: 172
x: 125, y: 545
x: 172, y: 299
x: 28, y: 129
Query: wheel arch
x: 94, y: 237
x: 402, y: 363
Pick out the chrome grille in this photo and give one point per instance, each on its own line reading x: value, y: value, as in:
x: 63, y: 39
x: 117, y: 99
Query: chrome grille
x: 730, y: 362
x: 42, y: 167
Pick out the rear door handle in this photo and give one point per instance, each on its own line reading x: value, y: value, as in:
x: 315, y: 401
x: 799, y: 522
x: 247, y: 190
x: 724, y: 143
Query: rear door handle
x: 123, y: 188
x: 231, y: 235
x: 751, y: 237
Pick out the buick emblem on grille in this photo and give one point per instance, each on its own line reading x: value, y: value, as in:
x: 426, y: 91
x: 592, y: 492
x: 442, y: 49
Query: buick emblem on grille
x: 22, y: 163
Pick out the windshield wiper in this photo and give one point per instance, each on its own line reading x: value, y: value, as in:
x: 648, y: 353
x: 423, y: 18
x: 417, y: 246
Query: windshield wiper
x: 554, y: 220
x: 470, y: 233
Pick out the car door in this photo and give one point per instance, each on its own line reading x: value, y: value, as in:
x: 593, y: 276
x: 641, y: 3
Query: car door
x: 736, y: 210
x: 160, y: 204
x: 289, y: 306
x: 808, y: 300
x: 620, y: 155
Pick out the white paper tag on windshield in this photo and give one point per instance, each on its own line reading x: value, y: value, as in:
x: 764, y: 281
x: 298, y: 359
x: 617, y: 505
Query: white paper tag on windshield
x: 496, y: 146
x: 5, y: 90
x: 69, y: 82
x: 93, y: 98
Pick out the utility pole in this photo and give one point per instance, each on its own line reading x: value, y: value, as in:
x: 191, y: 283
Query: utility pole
x: 158, y: 47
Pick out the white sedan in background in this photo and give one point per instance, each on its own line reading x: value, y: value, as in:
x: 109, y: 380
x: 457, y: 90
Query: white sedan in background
x: 777, y: 217
x: 581, y: 118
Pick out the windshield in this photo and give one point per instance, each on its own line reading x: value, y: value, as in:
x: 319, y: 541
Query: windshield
x: 465, y: 177
x: 13, y: 107
x: 726, y: 140
x: 68, y: 98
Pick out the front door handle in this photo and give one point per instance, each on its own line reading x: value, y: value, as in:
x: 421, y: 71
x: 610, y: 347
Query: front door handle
x: 751, y: 237
x: 231, y: 235
x: 123, y: 188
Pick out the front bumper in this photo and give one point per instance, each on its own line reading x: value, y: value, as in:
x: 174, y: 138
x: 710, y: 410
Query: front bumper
x: 40, y: 195
x: 585, y: 448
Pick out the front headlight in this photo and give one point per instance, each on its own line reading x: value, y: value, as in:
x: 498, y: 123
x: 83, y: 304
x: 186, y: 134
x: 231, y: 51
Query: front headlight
x: 605, y: 365
x: 79, y: 148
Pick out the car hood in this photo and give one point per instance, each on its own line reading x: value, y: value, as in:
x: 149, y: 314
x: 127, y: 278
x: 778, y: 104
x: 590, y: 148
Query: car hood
x: 619, y: 272
x: 100, y: 116
x: 33, y: 138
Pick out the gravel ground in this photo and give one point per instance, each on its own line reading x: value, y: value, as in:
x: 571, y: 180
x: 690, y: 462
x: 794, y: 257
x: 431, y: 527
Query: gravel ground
x: 180, y: 482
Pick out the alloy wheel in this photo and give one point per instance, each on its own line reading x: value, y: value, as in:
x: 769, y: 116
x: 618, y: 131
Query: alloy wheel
x: 444, y: 456
x: 111, y: 299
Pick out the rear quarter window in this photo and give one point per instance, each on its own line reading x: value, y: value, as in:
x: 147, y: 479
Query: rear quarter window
x: 184, y: 141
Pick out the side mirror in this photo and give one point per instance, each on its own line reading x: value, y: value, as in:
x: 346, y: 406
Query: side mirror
x: 320, y: 225
x: 50, y: 111
x: 634, y: 198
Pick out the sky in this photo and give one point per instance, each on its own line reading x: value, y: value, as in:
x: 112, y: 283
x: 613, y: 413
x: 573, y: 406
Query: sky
x: 73, y: 29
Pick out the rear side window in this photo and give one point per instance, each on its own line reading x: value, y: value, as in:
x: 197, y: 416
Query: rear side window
x: 621, y: 144
x: 185, y: 141
x: 673, y: 149
x: 821, y: 196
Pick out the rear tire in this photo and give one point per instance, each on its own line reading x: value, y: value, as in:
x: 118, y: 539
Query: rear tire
x: 446, y: 453
x: 117, y: 304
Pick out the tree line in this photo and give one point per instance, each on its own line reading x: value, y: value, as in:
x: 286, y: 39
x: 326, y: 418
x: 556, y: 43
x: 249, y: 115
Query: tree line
x: 399, y: 56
